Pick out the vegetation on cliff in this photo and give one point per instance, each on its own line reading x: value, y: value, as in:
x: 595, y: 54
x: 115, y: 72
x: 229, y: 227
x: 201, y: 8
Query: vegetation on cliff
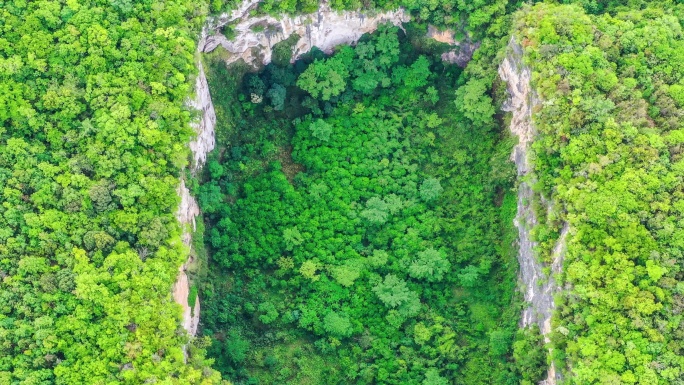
x: 358, y: 207
x: 609, y: 155
x: 92, y: 138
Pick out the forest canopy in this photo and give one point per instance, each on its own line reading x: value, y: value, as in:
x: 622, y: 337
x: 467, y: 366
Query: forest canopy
x: 358, y: 212
x: 608, y: 152
x: 363, y: 226
x: 92, y: 139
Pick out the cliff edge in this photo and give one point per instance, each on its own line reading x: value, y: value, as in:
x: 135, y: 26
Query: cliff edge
x: 539, y: 287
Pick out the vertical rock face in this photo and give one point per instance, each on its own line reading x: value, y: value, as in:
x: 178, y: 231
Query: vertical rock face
x: 203, y: 143
x: 187, y: 211
x: 200, y: 145
x: 255, y: 36
x: 539, y: 287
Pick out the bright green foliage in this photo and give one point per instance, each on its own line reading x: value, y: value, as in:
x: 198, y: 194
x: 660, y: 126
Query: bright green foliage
x: 430, y: 189
x: 473, y: 100
x: 326, y: 79
x: 292, y: 238
x: 320, y: 130
x: 92, y: 131
x: 376, y: 211
x: 529, y: 354
x: 432, y: 377
x: 393, y: 292
x: 421, y: 333
x: 499, y: 342
x: 606, y: 155
x: 310, y: 269
x: 429, y: 265
x: 469, y: 276
x: 474, y: 16
x: 344, y: 214
x: 347, y: 273
x: 337, y: 325
x: 269, y: 312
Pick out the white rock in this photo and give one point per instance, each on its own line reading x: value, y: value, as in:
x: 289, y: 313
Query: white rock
x: 187, y: 211
x: 324, y: 29
x: 539, y: 287
x: 203, y: 143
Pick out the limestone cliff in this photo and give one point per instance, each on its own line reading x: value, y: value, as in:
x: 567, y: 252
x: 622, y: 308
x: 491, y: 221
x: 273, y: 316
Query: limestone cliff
x: 203, y: 142
x: 187, y: 211
x: 200, y: 145
x: 539, y: 287
x: 255, y: 36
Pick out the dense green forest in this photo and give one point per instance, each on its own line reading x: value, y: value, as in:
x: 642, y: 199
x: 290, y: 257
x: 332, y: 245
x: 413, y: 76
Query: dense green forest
x: 92, y: 133
x: 609, y: 151
x: 358, y: 210
x: 361, y: 232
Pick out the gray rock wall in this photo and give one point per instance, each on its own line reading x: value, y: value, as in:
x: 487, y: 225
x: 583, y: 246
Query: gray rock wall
x: 539, y: 288
x: 255, y: 36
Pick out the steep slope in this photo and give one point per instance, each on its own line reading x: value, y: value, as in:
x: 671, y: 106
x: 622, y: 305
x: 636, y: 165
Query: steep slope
x: 92, y: 126
x: 607, y: 155
x: 538, y: 280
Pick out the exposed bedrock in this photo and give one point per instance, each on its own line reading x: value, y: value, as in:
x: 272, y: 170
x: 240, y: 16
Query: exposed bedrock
x: 200, y: 145
x: 187, y: 211
x: 462, y: 52
x: 254, y: 37
x: 539, y: 288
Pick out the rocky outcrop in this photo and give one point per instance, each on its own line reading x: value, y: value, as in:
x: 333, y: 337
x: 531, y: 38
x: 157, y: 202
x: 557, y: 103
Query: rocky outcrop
x: 200, y: 145
x: 255, y: 36
x: 539, y: 287
x: 187, y: 211
x: 461, y: 56
x: 203, y: 142
x: 447, y: 36
x: 463, y: 51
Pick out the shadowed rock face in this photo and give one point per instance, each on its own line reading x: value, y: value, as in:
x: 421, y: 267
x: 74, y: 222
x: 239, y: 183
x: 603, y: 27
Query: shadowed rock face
x: 539, y: 287
x: 461, y: 56
x: 463, y: 51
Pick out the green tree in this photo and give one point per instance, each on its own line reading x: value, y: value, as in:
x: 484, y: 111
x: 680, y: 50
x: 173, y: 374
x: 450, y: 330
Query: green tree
x: 270, y: 312
x: 430, y: 264
x: 394, y: 293
x: 376, y: 211
x: 277, y: 94
x: 325, y: 79
x: 430, y: 189
x: 292, y: 238
x: 337, y: 325
x: 432, y: 377
x: 321, y: 130
x: 472, y: 100
x: 469, y: 276
x: 499, y: 342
